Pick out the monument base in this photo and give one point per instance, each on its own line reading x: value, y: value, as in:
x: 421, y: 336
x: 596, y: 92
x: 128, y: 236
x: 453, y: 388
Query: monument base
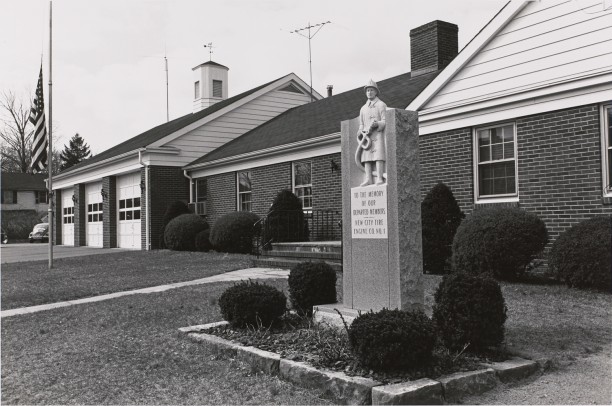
x: 328, y: 315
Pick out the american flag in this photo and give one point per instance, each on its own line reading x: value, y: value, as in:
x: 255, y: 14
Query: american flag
x: 37, y: 117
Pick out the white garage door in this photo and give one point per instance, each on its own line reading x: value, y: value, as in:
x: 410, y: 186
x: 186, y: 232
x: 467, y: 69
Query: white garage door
x: 128, y: 211
x: 67, y: 217
x: 94, y: 207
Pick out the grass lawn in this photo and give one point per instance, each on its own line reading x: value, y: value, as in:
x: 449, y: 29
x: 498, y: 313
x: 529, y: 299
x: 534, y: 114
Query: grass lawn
x: 32, y: 283
x: 129, y: 351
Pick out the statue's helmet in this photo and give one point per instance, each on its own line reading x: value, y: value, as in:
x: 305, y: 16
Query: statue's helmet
x: 373, y: 84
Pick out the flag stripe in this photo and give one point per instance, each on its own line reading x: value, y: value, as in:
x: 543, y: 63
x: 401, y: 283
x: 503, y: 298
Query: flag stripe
x: 37, y: 118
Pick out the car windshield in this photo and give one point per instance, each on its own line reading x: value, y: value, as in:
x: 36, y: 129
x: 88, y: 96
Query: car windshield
x: 40, y: 227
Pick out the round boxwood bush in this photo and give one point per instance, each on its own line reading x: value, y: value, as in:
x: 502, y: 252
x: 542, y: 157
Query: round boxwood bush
x: 181, y: 232
x: 285, y: 219
x: 233, y: 232
x: 392, y: 339
x: 202, y: 241
x: 174, y: 210
x: 581, y: 256
x: 440, y: 217
x: 470, y: 310
x: 311, y: 284
x: 252, y: 304
x: 500, y: 242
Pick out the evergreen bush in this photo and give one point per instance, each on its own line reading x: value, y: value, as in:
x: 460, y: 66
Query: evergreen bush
x: 285, y: 220
x: 440, y: 216
x: 252, y: 304
x: 470, y: 310
x: 175, y: 209
x: 202, y: 241
x: 392, y: 339
x: 311, y: 284
x: 233, y: 232
x: 500, y: 242
x: 181, y: 232
x: 581, y: 256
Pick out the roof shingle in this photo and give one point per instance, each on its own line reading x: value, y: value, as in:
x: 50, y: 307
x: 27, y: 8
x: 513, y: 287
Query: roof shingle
x: 319, y: 118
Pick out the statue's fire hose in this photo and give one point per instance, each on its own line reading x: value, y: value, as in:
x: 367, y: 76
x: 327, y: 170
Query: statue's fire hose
x: 364, y: 141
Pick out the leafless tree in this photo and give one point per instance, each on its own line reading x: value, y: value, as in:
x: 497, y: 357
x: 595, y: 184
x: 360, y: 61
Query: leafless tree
x: 15, y: 134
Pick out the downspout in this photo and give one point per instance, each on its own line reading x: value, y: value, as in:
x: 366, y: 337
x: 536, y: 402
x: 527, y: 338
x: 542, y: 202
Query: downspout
x: 190, y: 185
x: 148, y: 201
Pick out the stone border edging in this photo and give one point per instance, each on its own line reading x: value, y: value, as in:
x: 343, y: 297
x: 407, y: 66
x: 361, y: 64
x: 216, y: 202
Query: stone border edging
x: 344, y: 389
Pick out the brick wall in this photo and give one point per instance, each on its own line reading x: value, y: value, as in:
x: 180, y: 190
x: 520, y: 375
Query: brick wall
x: 166, y: 185
x: 221, y: 197
x: 109, y: 225
x: 267, y: 181
x: 58, y: 216
x: 80, y: 216
x: 559, y: 166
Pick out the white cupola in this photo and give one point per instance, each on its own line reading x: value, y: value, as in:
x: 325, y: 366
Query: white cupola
x: 210, y: 85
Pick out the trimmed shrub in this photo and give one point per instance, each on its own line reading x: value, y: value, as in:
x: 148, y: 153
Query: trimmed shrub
x: 392, y: 339
x: 285, y: 220
x: 202, y: 241
x: 581, y: 256
x: 440, y: 217
x: 252, y: 304
x: 311, y: 284
x: 500, y: 242
x: 469, y: 310
x: 233, y: 232
x: 174, y: 210
x: 181, y: 232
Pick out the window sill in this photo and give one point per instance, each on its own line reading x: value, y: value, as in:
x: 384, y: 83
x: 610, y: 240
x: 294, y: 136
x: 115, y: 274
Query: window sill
x: 493, y: 200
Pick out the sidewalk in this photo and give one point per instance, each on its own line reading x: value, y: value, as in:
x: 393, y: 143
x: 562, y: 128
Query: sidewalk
x: 241, y: 274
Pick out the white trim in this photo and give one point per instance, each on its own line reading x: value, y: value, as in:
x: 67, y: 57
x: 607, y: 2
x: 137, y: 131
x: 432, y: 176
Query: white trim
x: 514, y: 197
x: 105, y: 162
x: 605, y: 146
x: 268, y: 157
x: 238, y: 103
x: 511, y: 111
x: 509, y: 11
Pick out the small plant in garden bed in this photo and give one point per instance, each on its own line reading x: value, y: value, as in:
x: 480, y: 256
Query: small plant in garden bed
x: 297, y: 338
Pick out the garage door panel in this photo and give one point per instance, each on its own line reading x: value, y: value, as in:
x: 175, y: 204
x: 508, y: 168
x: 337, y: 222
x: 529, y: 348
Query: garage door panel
x: 128, y: 211
x: 94, y: 208
x: 67, y: 217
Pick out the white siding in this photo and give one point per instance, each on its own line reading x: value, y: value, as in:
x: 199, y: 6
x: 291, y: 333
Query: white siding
x: 545, y: 44
x: 212, y: 135
x: 86, y: 176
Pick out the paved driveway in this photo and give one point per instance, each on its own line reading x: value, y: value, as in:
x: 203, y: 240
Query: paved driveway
x: 37, y: 252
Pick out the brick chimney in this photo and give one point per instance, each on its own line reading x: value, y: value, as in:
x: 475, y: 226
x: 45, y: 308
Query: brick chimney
x: 432, y: 46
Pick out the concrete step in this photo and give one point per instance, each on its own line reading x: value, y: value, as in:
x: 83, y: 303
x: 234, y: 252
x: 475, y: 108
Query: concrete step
x: 287, y: 263
x: 309, y: 246
x: 306, y: 255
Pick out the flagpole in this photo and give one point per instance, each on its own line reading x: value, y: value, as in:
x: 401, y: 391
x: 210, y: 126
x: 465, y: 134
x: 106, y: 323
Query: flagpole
x: 50, y: 154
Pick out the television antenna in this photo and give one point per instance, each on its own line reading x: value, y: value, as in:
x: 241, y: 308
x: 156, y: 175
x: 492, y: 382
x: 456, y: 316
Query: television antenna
x: 301, y: 31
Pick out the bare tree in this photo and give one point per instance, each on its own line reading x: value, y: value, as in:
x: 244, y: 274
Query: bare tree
x: 15, y: 135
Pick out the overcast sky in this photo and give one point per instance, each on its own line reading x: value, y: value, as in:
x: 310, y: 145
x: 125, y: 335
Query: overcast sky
x: 108, y: 56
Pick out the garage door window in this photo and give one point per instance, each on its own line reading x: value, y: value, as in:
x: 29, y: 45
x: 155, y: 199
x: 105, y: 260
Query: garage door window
x: 94, y: 212
x: 129, y: 209
x: 68, y: 215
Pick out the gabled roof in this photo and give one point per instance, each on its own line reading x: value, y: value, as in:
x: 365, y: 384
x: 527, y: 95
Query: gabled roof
x: 156, y: 133
x: 318, y: 118
x: 23, y: 181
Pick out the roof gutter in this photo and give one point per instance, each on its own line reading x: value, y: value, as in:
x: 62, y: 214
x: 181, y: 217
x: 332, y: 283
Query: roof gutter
x: 304, y: 144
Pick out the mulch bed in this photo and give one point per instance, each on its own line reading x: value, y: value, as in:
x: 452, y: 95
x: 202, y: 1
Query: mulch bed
x: 298, y: 339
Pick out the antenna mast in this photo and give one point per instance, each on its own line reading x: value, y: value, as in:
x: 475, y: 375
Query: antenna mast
x: 309, y: 36
x: 167, y: 102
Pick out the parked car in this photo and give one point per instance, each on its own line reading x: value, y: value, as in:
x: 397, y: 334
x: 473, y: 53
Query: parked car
x: 40, y: 233
x: 4, y: 238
